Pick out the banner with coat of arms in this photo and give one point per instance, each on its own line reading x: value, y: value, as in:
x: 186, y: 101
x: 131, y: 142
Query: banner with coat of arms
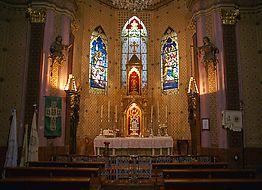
x: 53, y: 110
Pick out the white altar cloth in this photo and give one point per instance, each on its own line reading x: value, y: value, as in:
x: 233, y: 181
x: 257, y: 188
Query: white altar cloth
x: 134, y: 142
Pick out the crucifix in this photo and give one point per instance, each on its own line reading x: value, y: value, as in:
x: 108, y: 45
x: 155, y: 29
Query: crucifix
x: 53, y: 113
x: 134, y: 45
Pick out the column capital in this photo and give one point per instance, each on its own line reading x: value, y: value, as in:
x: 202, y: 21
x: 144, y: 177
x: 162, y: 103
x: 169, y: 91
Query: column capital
x: 36, y: 15
x: 229, y: 16
x: 74, y: 26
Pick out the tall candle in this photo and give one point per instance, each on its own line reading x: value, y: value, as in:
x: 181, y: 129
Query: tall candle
x: 166, y: 113
x: 158, y: 114
x: 108, y: 111
x: 102, y: 112
x: 116, y: 113
x: 151, y: 113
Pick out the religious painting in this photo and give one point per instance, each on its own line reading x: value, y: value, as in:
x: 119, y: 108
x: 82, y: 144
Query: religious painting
x: 134, y: 82
x: 134, y: 120
x: 53, y: 107
x: 134, y: 42
x: 169, y: 63
x: 98, y: 62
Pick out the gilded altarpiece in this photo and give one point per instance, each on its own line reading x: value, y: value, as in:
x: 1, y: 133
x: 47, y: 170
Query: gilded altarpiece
x: 133, y: 102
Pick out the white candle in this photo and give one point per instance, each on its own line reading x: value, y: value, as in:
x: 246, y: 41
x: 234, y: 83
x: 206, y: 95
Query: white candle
x: 116, y: 113
x: 166, y: 113
x: 151, y: 113
x: 102, y: 112
x: 158, y: 114
x: 108, y: 111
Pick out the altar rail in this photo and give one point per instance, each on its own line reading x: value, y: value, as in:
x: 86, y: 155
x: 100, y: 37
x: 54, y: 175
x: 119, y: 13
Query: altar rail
x: 131, y: 166
x: 154, y: 159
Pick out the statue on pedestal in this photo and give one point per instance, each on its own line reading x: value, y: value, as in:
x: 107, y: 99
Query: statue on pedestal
x: 56, y: 52
x: 209, y: 51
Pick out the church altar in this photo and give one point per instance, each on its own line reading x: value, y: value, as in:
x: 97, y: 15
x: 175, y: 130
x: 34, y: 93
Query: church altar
x: 134, y: 142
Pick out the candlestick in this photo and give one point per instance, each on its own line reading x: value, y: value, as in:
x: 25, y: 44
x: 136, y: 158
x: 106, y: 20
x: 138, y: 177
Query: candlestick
x: 151, y: 113
x: 158, y: 114
x: 108, y: 111
x: 116, y: 113
x: 166, y: 113
x: 101, y: 116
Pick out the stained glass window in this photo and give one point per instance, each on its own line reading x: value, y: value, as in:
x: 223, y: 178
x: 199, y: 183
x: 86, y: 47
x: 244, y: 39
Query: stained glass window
x: 169, y: 62
x: 134, y: 41
x: 98, y: 62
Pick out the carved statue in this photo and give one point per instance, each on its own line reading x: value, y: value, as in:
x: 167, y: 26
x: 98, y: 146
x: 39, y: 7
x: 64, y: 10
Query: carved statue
x: 56, y: 52
x: 209, y: 51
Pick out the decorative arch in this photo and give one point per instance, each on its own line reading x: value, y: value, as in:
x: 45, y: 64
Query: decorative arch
x: 98, y: 62
x: 134, y: 81
x: 134, y: 120
x: 134, y: 42
x: 169, y: 62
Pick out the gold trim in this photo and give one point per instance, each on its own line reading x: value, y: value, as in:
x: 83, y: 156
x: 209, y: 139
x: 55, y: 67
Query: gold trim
x: 134, y: 69
x: 36, y: 15
x: 192, y: 25
x: 126, y: 124
x: 74, y: 26
x: 230, y: 16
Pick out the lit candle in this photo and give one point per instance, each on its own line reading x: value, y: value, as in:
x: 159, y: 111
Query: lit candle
x: 116, y: 113
x: 108, y: 111
x: 166, y: 113
x: 151, y: 113
x: 158, y: 114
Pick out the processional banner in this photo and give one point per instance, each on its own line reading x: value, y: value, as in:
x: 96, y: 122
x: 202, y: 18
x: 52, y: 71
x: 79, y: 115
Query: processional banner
x: 53, y: 107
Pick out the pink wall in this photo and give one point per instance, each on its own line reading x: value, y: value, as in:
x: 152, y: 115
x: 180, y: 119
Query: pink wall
x: 203, y: 83
x: 49, y: 37
x: 220, y: 94
x: 203, y: 88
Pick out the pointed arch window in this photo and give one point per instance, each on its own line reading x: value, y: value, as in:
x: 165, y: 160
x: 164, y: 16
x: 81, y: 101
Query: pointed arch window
x: 134, y: 41
x: 98, y: 62
x: 169, y: 62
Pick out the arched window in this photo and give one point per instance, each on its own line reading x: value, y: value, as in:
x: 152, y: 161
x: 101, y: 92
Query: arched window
x: 134, y: 41
x: 169, y: 62
x: 98, y: 62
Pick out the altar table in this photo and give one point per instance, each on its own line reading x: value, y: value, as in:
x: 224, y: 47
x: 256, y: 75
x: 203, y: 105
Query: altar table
x: 134, y: 142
